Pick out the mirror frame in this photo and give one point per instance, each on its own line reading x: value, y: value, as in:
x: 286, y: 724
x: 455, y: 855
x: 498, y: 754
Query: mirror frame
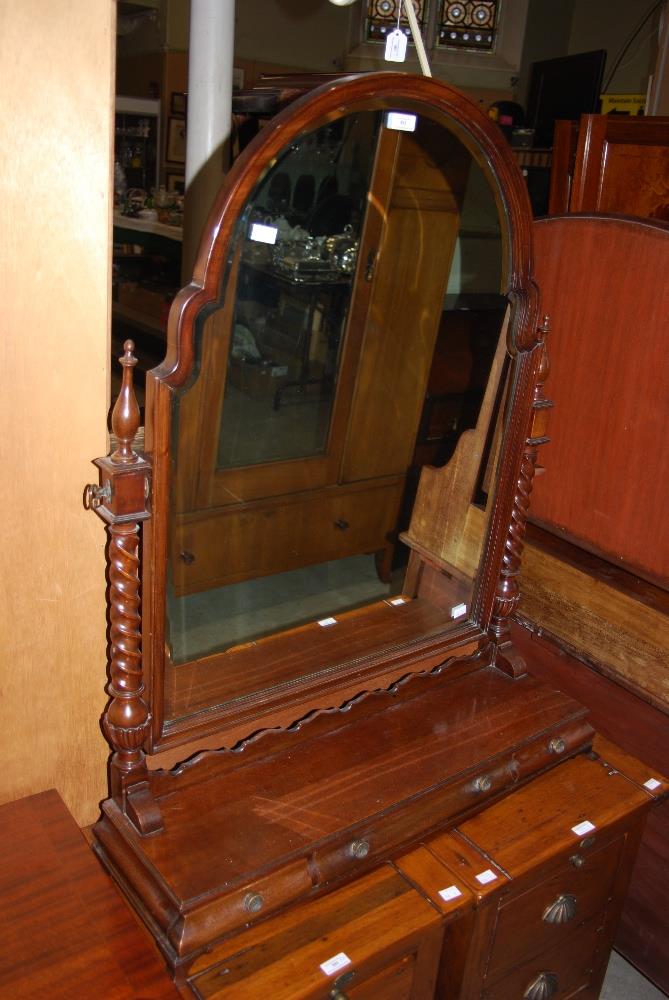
x: 496, y: 588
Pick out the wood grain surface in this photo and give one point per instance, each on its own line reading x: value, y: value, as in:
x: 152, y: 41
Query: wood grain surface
x: 602, y: 283
x: 642, y: 730
x: 66, y: 930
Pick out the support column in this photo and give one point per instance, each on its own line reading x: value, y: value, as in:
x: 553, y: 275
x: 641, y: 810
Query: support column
x: 210, y: 62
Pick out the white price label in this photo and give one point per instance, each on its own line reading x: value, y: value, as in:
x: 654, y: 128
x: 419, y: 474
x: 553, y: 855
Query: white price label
x: 451, y: 893
x: 458, y: 610
x: 582, y: 828
x: 652, y: 784
x: 396, y: 46
x: 326, y: 622
x: 401, y: 121
x: 335, y: 963
x: 263, y: 234
x: 395, y: 601
x: 486, y: 876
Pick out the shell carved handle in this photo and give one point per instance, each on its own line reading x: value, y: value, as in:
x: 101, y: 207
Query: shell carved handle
x: 543, y: 987
x: 561, y: 910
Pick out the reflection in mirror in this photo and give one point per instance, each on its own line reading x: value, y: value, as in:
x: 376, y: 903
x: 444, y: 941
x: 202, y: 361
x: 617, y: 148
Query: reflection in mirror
x: 293, y: 293
x: 354, y: 362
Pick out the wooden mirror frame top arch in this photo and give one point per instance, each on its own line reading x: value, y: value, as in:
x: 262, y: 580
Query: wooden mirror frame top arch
x: 134, y: 720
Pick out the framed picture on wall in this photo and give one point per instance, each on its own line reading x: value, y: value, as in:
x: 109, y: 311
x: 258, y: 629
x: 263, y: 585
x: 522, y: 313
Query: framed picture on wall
x: 178, y: 103
x: 176, y: 140
x: 176, y: 183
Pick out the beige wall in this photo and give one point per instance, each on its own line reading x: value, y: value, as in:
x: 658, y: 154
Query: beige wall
x: 56, y: 80
x: 302, y: 33
x: 607, y: 24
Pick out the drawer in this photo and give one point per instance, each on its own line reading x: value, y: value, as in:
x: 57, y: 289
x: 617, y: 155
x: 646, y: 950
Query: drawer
x: 264, y: 895
x: 385, y: 937
x: 557, y: 973
x: 397, y: 982
x: 231, y: 544
x: 548, y: 913
x: 436, y: 807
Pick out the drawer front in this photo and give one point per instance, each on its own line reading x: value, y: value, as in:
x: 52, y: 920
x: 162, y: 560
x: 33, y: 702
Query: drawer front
x: 376, y: 937
x: 394, y: 983
x: 381, y: 839
x: 548, y: 913
x: 262, y: 896
x: 556, y: 974
x: 232, y: 544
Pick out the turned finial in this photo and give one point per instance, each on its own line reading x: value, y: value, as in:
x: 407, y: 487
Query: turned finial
x: 125, y: 415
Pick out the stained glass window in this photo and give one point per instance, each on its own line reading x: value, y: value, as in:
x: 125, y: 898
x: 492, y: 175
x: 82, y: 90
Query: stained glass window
x: 382, y: 18
x: 468, y: 24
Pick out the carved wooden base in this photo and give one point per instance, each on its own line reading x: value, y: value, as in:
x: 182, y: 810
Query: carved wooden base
x: 356, y: 799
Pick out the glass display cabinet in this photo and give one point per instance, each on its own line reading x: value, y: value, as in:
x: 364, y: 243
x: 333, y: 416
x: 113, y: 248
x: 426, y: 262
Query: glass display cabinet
x: 340, y: 447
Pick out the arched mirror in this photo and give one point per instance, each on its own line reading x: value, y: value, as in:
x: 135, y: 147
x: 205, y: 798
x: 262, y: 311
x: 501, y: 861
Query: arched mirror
x: 337, y: 384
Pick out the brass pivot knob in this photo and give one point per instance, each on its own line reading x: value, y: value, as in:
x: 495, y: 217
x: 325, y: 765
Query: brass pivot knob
x: 557, y: 745
x: 95, y: 496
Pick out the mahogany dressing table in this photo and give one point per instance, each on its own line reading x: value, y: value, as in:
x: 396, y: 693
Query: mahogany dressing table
x: 327, y: 789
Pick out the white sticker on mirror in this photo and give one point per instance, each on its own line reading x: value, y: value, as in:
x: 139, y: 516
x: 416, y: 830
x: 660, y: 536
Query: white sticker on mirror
x: 458, y: 610
x: 335, y: 963
x: 451, y: 893
x: 652, y: 784
x: 400, y: 121
x: 582, y: 828
x: 486, y: 876
x: 263, y: 234
x: 324, y: 622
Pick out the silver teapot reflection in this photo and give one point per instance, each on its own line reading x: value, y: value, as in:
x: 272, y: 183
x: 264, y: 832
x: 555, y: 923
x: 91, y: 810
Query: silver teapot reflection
x: 343, y: 250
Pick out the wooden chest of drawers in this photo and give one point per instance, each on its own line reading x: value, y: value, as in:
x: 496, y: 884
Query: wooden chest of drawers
x: 521, y: 900
x: 548, y: 867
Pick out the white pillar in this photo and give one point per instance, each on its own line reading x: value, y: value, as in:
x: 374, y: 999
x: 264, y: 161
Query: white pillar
x: 210, y: 62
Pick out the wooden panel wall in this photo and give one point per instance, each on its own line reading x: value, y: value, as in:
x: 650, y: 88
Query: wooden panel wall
x: 56, y: 77
x: 603, y: 283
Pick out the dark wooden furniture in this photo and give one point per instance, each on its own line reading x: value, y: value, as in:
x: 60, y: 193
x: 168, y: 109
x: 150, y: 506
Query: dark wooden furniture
x: 425, y: 923
x: 642, y: 730
x: 611, y: 163
x: 611, y: 389
x: 524, y: 902
x: 66, y: 930
x: 595, y: 571
x: 266, y: 789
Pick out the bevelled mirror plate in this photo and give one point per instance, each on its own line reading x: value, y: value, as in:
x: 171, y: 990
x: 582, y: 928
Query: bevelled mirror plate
x: 347, y: 372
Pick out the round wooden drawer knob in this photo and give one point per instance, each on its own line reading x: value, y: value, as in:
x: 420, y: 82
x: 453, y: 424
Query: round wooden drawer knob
x: 253, y: 902
x: 359, y: 849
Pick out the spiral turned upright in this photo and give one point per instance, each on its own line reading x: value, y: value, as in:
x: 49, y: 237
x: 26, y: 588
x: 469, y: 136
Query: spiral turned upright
x: 127, y: 719
x: 508, y: 589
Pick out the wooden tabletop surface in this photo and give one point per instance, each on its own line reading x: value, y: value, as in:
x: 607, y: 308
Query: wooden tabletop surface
x: 65, y: 929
